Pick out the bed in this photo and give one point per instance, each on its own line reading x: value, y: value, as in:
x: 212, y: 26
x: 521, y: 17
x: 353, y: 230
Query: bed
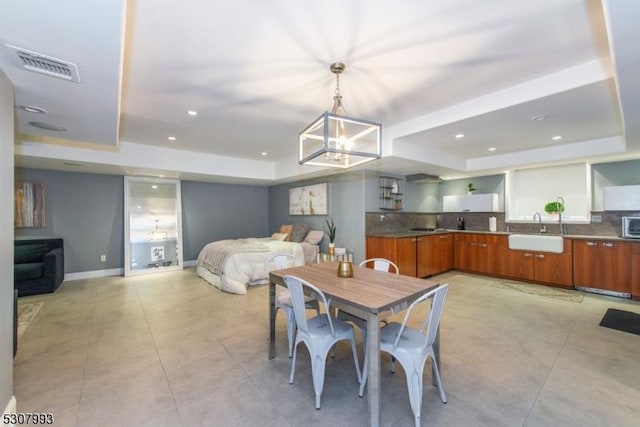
x: 234, y: 264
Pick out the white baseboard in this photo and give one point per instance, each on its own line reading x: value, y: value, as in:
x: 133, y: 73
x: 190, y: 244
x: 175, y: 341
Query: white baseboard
x: 11, y: 408
x: 93, y: 274
x: 111, y: 272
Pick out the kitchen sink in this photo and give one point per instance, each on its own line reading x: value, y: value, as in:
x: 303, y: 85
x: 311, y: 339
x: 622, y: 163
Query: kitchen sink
x: 536, y: 242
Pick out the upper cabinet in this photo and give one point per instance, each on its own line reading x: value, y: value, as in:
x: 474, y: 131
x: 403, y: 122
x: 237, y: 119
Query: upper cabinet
x: 470, y: 203
x: 622, y: 198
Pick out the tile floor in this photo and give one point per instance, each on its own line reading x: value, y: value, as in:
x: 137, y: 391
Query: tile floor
x: 170, y: 350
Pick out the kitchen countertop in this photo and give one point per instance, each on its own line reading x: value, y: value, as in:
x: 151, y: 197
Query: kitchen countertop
x: 410, y: 233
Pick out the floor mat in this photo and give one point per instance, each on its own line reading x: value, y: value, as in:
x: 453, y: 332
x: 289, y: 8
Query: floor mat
x: 621, y: 320
x: 541, y: 290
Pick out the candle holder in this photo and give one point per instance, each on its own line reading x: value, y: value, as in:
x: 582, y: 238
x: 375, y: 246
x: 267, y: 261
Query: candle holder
x: 345, y: 269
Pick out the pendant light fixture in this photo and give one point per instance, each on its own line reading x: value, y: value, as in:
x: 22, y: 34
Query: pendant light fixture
x: 336, y: 140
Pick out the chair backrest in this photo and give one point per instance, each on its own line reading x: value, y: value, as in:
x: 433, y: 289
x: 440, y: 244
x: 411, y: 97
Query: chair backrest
x: 381, y: 264
x: 296, y: 287
x: 430, y: 325
x: 279, y: 262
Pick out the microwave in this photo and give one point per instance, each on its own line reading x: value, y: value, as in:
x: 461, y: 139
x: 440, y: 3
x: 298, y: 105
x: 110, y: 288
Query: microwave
x: 631, y: 227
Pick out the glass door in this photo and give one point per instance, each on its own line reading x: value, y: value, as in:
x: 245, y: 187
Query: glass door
x: 153, y: 225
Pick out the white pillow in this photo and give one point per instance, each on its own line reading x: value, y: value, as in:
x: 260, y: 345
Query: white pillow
x: 314, y: 237
x: 279, y: 236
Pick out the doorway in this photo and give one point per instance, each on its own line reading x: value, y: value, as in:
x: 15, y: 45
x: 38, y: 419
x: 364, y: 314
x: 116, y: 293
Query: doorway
x: 153, y: 225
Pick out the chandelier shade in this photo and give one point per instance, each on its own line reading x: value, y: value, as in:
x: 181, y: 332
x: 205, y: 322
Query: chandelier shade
x: 336, y: 140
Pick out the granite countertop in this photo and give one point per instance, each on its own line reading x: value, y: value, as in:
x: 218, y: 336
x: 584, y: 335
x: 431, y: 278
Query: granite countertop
x: 410, y: 233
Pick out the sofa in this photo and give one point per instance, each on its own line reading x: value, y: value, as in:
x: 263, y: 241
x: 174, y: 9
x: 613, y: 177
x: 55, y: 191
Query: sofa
x: 38, y: 266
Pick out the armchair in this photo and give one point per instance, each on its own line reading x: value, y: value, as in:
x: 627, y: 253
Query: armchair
x: 38, y: 266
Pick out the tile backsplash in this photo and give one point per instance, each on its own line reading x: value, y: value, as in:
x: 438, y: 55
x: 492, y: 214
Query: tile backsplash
x: 383, y: 222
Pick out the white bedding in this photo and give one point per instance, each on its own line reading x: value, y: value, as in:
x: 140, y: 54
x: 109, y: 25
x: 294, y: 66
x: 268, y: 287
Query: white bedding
x: 244, y: 268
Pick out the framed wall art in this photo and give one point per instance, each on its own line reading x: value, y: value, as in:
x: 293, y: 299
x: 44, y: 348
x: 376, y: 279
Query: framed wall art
x: 29, y: 207
x: 308, y: 200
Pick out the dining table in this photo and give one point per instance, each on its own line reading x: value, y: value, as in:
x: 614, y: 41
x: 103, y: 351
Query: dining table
x: 369, y: 294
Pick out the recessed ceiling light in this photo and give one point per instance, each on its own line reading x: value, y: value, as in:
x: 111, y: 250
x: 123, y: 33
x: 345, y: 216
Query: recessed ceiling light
x: 172, y: 138
x: 492, y: 148
x: 538, y: 118
x: 264, y: 153
x: 557, y: 138
x: 154, y: 186
x: 32, y: 109
x: 460, y: 135
x: 160, y: 176
x: 48, y: 126
x: 192, y: 112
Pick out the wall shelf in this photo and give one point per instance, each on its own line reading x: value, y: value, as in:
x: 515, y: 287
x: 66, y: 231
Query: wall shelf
x: 391, y: 192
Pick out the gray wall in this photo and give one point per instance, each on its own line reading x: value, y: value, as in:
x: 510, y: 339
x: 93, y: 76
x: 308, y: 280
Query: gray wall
x: 346, y: 207
x: 87, y: 211
x: 6, y: 241
x: 221, y: 211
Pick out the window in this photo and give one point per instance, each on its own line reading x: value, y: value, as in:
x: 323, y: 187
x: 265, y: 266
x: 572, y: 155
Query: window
x: 528, y: 191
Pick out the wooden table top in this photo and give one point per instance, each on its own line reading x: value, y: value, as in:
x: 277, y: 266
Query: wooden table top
x: 368, y: 289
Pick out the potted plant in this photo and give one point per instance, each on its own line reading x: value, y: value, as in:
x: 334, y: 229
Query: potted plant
x: 330, y: 229
x: 554, y: 207
x: 470, y: 188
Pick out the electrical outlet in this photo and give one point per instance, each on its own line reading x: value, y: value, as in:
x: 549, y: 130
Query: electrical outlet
x: 103, y: 258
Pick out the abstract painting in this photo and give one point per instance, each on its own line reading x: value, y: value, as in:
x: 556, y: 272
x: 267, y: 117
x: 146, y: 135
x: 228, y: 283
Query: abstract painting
x: 308, y: 200
x: 29, y: 205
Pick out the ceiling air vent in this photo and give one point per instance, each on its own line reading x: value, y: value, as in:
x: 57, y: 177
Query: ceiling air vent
x: 43, y: 64
x: 423, y: 177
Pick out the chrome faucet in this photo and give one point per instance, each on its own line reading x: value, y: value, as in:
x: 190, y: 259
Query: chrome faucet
x: 541, y: 228
x: 560, y: 206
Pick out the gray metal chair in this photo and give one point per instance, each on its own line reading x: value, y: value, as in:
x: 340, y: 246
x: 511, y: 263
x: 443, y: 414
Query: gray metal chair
x: 380, y: 264
x: 319, y: 333
x: 283, y: 299
x: 412, y: 347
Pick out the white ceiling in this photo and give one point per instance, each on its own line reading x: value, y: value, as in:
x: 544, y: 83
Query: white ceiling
x: 257, y: 73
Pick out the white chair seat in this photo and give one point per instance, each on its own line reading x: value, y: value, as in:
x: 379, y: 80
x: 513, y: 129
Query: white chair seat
x: 319, y: 326
x: 410, y: 339
x: 285, y: 299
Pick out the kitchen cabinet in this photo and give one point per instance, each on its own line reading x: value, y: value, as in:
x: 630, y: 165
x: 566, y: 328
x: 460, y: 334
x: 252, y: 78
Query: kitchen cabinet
x: 480, y: 253
x: 541, y: 267
x: 417, y: 256
x: 434, y: 254
x: 402, y: 251
x: 470, y: 203
x: 635, y: 271
x: 602, y: 265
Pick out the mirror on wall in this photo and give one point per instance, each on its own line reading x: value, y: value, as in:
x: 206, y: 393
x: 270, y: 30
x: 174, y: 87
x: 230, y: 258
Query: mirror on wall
x: 153, y: 225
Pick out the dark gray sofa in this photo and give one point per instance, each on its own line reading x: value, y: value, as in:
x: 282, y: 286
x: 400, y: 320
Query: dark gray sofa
x: 38, y: 266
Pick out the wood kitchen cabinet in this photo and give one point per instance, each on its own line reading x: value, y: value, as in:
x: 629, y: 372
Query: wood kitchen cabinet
x: 541, y: 267
x: 480, y: 253
x: 635, y: 271
x: 417, y: 256
x: 434, y: 254
x: 602, y: 265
